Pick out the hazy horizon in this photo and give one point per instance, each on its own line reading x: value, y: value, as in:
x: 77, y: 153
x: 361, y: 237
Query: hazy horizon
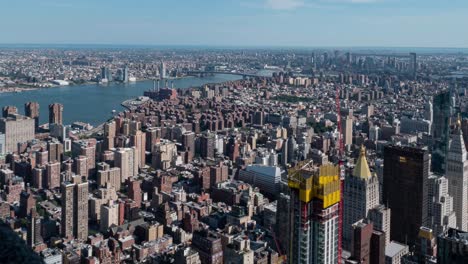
x: 254, y: 23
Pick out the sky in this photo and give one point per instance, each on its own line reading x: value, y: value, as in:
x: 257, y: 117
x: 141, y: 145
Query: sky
x: 302, y: 23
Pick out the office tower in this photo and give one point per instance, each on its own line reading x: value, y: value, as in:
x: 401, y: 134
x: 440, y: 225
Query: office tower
x: 17, y: 129
x: 380, y: 216
x: 207, y: 145
x: 440, y: 207
x: 377, y: 247
x: 208, y: 244
x: 452, y: 247
x: 348, y: 131
x: 74, y: 221
x: 31, y: 110
x: 457, y: 176
x: 405, y: 191
x: 9, y: 110
x: 162, y: 73
x: 314, y: 218
x: 413, y: 65
x: 109, y: 215
x: 56, y: 113
x: 361, y: 194
x: 442, y: 111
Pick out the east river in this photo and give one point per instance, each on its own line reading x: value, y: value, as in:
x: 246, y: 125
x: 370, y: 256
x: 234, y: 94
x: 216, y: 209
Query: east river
x: 93, y: 103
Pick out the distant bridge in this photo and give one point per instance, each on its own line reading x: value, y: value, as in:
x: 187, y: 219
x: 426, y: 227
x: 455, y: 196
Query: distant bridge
x: 222, y: 72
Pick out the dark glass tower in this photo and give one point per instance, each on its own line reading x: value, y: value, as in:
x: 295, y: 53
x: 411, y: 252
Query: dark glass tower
x: 405, y: 190
x: 442, y: 109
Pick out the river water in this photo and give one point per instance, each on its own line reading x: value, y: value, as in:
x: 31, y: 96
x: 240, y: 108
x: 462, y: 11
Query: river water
x: 93, y: 103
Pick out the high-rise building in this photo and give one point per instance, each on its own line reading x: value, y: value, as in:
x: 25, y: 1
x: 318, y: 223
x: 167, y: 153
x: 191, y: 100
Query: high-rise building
x: 413, y: 65
x: 9, y: 110
x: 442, y: 111
x: 207, y: 145
x: 109, y: 216
x: 440, y: 208
x: 74, y: 221
x: 127, y: 160
x: 457, y: 176
x: 348, y: 131
x: 66, y: 222
x: 56, y: 113
x: 452, y: 247
x: 314, y: 218
x: 405, y: 191
x: 125, y: 74
x: 380, y: 216
x: 34, y: 229
x: 31, y: 110
x: 17, y: 129
x: 360, y: 194
x: 162, y: 71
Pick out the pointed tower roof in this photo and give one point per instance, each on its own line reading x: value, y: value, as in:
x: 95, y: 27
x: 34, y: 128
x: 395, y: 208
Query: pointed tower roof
x: 362, y: 168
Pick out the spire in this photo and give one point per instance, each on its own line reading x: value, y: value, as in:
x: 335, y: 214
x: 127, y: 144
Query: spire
x: 362, y: 168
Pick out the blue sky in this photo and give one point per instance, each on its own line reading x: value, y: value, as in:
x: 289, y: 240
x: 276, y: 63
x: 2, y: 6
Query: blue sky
x: 307, y: 23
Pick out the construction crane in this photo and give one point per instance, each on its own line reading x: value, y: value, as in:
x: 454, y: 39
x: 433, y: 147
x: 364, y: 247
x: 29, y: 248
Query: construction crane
x: 340, y: 164
x: 282, y: 258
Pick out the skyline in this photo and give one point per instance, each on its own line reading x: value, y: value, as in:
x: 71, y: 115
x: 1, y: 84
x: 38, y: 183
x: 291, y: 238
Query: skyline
x: 260, y: 23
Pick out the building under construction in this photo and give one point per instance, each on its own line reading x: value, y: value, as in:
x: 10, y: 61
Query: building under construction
x: 314, y: 213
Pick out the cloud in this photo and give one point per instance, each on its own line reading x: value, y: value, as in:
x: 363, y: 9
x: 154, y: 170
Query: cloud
x: 284, y: 4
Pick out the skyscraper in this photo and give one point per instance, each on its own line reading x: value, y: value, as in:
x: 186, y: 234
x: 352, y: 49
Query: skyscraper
x: 66, y: 222
x: 56, y: 113
x: 361, y: 194
x: 442, y: 111
x: 162, y: 73
x: 348, y: 131
x: 31, y: 110
x: 314, y: 218
x: 413, y: 65
x: 405, y: 191
x: 125, y: 74
x: 440, y: 207
x: 74, y: 222
x: 457, y: 175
